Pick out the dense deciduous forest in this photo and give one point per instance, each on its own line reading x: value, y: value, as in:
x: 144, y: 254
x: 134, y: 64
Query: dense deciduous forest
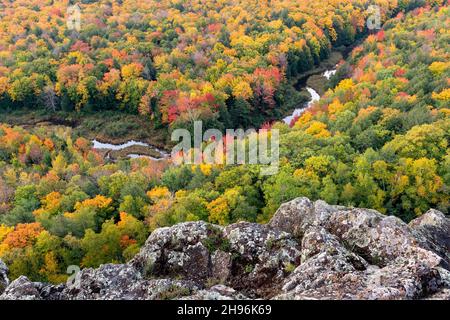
x: 225, y: 62
x: 378, y: 138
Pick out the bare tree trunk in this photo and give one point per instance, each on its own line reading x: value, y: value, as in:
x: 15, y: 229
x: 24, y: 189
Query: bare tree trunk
x: 50, y: 98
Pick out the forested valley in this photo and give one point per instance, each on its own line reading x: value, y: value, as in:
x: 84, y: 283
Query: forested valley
x: 378, y: 137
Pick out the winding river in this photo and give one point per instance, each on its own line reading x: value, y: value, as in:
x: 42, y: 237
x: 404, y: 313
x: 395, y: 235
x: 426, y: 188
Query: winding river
x: 329, y: 73
x: 109, y: 146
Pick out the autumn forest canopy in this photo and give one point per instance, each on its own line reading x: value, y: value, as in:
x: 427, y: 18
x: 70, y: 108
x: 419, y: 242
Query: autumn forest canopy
x: 227, y: 63
x: 378, y: 137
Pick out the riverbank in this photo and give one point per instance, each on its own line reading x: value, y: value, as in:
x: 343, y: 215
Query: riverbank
x: 130, y: 149
x: 301, y: 81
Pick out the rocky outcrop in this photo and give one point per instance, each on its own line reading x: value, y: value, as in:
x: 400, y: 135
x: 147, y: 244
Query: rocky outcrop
x: 249, y: 257
x: 309, y: 250
x: 114, y: 282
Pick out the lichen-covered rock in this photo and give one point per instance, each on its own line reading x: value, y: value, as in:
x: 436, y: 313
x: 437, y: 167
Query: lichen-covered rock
x: 123, y: 282
x: 309, y: 250
x: 21, y: 289
x: 262, y: 257
x: 433, y: 230
x: 107, y: 282
x: 221, y: 265
x: 443, y: 294
x: 377, y: 238
x: 404, y: 279
x: 4, y: 281
x: 328, y: 270
x: 361, y: 254
x: 217, y: 292
x: 24, y: 289
x: 296, y: 216
x: 248, y: 256
x: 177, y: 251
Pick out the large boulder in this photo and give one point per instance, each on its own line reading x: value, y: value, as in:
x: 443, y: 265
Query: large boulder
x: 179, y: 251
x: 262, y: 258
x: 309, y: 250
x: 432, y: 229
x: 295, y: 216
x: 248, y: 256
x: 4, y: 281
x: 217, y: 292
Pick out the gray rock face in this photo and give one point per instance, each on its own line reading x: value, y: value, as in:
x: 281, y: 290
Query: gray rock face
x: 4, y: 281
x: 217, y: 292
x: 309, y: 250
x: 23, y: 289
x: 362, y: 254
x: 249, y: 257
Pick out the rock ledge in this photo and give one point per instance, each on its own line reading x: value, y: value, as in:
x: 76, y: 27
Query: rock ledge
x: 309, y: 250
